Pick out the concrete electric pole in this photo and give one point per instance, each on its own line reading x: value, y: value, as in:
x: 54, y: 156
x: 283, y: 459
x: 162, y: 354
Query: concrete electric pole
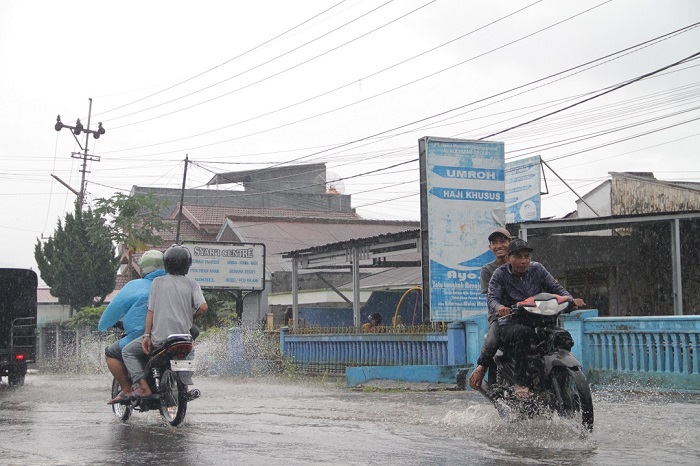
x: 77, y: 129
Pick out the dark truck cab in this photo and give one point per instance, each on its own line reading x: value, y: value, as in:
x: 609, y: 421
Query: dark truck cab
x: 18, y: 308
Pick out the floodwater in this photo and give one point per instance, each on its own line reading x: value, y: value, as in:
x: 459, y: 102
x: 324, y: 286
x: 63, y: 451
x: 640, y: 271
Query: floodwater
x: 65, y: 420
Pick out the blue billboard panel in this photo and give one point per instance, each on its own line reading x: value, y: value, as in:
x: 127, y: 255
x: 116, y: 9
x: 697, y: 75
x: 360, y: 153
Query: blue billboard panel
x: 523, y: 188
x: 463, y: 201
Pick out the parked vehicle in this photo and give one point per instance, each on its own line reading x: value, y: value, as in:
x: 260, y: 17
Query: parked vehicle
x: 554, y: 374
x: 17, y: 323
x: 169, y: 373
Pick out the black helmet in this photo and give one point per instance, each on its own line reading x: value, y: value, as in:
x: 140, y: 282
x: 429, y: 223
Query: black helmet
x: 177, y: 260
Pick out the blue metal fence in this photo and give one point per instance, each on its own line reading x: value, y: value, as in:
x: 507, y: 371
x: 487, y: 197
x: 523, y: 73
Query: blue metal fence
x: 336, y: 352
x: 645, y: 352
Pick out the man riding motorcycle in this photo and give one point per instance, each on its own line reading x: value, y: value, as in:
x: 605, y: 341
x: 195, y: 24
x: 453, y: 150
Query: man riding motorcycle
x: 130, y: 306
x: 517, y: 280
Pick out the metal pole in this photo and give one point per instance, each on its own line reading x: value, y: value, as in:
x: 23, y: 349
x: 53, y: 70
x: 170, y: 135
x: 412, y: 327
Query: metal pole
x: 182, y: 197
x: 295, y: 293
x: 85, y: 157
x: 356, y: 286
x: 676, y: 267
x: 570, y: 188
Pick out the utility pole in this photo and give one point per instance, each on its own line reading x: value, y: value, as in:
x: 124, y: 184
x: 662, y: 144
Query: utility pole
x: 76, y: 130
x: 182, y: 199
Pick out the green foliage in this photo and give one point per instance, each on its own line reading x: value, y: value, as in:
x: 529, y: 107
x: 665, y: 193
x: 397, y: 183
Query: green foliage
x: 87, y: 317
x: 222, y: 309
x: 134, y: 220
x: 78, y: 261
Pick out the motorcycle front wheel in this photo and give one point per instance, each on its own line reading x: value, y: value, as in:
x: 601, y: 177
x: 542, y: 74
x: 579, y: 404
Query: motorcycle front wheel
x: 122, y: 411
x: 173, y: 398
x: 573, y: 396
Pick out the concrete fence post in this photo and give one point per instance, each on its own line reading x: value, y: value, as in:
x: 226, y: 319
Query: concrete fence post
x: 284, y: 331
x: 573, y: 323
x: 456, y: 344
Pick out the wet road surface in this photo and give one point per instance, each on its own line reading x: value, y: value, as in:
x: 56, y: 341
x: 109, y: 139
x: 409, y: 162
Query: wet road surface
x: 65, y: 420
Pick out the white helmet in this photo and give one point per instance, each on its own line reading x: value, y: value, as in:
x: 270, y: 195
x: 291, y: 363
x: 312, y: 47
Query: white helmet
x: 150, y: 261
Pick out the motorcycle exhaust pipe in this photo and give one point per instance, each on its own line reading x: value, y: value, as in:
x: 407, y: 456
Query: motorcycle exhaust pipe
x: 193, y: 394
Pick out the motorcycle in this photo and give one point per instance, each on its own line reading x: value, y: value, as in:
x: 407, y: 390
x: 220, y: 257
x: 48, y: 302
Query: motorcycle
x: 168, y: 372
x: 554, y: 375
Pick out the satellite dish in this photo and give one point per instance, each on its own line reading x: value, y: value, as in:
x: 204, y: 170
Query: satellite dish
x: 333, y: 183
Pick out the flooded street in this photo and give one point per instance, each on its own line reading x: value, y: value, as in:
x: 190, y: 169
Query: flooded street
x: 65, y: 420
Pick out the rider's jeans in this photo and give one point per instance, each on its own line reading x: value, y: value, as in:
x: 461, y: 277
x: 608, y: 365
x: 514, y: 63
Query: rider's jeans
x: 517, y: 339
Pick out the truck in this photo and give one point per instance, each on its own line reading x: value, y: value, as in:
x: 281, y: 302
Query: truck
x: 18, y: 319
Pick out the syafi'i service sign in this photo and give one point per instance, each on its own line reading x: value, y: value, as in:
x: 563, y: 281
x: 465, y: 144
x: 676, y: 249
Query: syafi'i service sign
x: 239, y: 266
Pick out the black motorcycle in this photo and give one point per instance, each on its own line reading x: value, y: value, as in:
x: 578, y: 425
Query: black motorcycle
x: 168, y: 372
x: 554, y: 375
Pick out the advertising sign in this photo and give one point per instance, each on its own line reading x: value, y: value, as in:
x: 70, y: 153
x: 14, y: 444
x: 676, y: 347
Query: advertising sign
x: 462, y: 201
x: 228, y: 265
x: 523, y: 188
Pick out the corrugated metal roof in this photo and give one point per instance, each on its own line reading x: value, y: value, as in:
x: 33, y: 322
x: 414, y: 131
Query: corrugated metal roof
x: 44, y: 296
x: 216, y: 215
x: 390, y: 279
x: 283, y: 236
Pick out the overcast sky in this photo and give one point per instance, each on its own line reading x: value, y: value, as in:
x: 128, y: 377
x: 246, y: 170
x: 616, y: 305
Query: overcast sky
x: 355, y: 84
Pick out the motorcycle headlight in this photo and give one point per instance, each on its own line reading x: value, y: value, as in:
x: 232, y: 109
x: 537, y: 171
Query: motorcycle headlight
x: 548, y: 308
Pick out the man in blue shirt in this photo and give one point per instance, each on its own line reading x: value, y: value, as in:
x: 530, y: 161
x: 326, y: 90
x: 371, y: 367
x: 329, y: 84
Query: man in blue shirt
x: 519, y: 279
x: 130, y: 305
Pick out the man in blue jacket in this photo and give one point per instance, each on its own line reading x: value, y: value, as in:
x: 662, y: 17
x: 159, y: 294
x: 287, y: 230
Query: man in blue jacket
x: 130, y: 305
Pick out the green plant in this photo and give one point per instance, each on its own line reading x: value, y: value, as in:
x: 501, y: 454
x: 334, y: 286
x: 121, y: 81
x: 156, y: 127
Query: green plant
x: 87, y: 317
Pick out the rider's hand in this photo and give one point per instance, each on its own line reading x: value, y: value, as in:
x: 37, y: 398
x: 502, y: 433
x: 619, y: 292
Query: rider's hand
x: 503, y: 311
x: 146, y: 344
x: 578, y: 302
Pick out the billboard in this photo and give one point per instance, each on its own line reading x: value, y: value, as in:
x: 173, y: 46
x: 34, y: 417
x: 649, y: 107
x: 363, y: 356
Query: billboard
x: 523, y: 188
x: 239, y: 266
x: 462, y: 201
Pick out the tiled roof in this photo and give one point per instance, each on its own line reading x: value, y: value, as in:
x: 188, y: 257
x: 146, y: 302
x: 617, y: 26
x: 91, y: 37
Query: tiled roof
x: 188, y: 232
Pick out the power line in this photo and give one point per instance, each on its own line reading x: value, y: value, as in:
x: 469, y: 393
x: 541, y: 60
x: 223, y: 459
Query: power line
x: 224, y: 63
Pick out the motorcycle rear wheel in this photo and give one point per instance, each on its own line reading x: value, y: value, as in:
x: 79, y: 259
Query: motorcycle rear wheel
x: 122, y: 411
x: 173, y: 398
x: 573, y: 396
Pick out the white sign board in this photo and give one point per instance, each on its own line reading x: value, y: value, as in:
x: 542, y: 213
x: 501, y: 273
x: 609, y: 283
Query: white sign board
x: 523, y: 188
x: 463, y: 201
x: 228, y: 265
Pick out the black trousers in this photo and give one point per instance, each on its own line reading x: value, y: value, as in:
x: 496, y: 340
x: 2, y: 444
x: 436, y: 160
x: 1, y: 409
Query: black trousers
x: 517, y: 338
x: 491, y: 344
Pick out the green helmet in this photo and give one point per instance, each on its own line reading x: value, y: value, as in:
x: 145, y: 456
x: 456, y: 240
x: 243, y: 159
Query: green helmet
x: 150, y: 261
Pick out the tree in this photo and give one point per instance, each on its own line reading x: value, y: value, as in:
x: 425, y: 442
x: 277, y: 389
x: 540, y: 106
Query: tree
x: 134, y: 221
x: 78, y: 262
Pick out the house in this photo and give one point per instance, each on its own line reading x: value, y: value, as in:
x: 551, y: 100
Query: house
x: 629, y: 249
x: 635, y: 193
x: 284, y: 208
x: 50, y: 311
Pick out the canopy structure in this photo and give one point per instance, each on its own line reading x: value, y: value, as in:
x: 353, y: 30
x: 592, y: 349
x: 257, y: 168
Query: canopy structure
x: 382, y: 251
x: 579, y: 225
